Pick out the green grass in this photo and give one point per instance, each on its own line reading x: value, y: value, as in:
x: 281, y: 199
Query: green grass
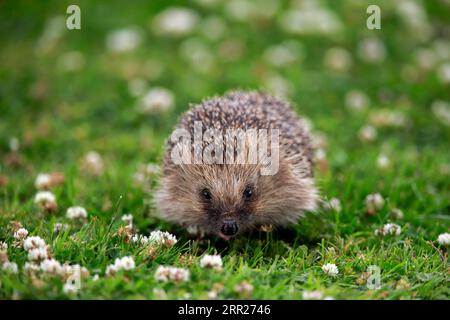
x: 59, y: 116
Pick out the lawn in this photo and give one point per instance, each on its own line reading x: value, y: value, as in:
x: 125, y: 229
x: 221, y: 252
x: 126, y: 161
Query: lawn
x: 81, y: 103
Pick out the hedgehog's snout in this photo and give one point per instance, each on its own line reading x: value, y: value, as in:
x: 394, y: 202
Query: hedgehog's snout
x: 229, y: 227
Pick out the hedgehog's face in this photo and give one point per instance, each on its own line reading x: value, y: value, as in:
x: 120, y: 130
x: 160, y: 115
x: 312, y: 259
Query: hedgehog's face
x: 226, y: 200
x: 227, y: 211
x: 218, y: 199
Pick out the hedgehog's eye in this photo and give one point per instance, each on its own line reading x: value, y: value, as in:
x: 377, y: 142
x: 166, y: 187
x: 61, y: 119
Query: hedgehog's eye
x: 248, y: 193
x: 206, y: 194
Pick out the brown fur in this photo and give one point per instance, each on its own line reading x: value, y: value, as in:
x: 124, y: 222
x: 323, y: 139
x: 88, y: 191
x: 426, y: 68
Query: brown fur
x: 279, y: 199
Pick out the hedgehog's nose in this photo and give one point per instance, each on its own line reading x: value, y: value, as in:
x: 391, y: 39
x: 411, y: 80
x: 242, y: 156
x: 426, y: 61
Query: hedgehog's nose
x: 229, y: 227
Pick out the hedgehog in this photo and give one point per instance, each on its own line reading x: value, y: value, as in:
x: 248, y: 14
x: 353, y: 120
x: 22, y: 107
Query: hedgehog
x: 203, y: 185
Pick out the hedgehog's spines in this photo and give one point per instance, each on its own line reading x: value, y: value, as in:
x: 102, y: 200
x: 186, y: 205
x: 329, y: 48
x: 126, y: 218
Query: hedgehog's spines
x: 252, y: 110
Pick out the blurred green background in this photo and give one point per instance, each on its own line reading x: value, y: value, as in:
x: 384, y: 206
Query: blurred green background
x: 59, y: 79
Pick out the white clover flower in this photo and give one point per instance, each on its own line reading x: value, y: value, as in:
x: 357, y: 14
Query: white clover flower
x: 444, y: 239
x: 310, y: 20
x: 162, y: 238
x: 160, y: 294
x: 14, y: 144
x: 392, y: 229
x: 212, y: 294
x: 51, y: 266
x: 44, y: 198
x: 3, y: 246
x: 43, y: 181
x: 139, y: 238
x: 240, y: 10
x: 126, y: 263
x: 211, y: 261
x: 414, y: 16
x: 33, y: 242
x: 383, y: 161
x: 167, y: 273
x: 386, y: 117
x: 157, y: 237
x: 37, y: 254
x: 244, y: 288
x: 441, y: 110
x: 397, y: 213
x: 124, y: 40
x: 389, y: 229
x: 371, y: 50
x: 67, y: 270
x: 31, y: 267
x: 245, y: 10
x: 330, y: 269
x: 76, y: 213
x: 10, y: 267
x: 356, y: 100
x: 21, y: 234
x: 95, y: 278
x: 338, y: 60
x: 127, y: 218
x: 158, y: 99
x: 162, y: 273
x: 46, y: 181
x: 175, y: 21
x: 411, y: 10
x: 58, y: 227
x: 282, y: 54
x: 70, y: 288
x: 312, y: 295
x: 367, y: 133
x: 374, y: 202
x: 145, y: 172
x: 320, y: 154
x: 93, y: 163
x: 198, y: 54
x: 74, y: 271
x: 54, y: 28
x: 111, y: 270
x: 179, y: 274
x: 333, y: 204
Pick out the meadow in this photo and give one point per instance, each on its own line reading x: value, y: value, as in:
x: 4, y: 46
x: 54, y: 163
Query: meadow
x: 84, y: 115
